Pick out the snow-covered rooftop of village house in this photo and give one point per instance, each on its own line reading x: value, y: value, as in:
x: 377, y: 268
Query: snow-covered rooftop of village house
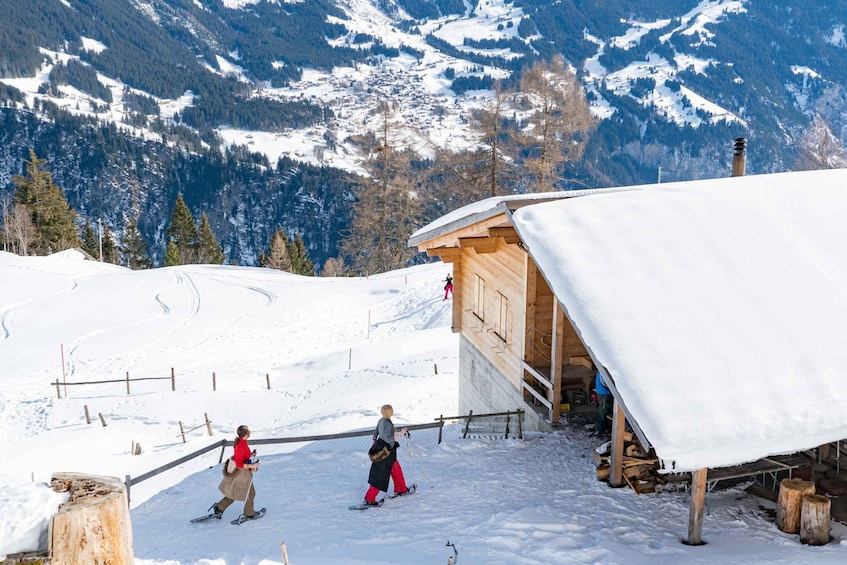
x: 718, y: 307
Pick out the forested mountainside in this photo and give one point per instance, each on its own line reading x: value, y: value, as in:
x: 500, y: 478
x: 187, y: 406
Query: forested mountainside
x: 260, y: 112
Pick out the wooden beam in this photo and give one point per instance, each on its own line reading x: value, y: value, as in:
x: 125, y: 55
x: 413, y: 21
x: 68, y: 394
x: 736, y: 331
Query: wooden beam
x: 479, y: 244
x: 450, y: 238
x: 508, y: 233
x: 530, y: 299
x: 695, y: 510
x: 557, y: 358
x: 458, y: 297
x: 616, y: 478
x: 446, y: 254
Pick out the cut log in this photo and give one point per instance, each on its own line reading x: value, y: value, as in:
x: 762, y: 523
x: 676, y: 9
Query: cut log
x: 814, y: 520
x: 789, y: 503
x: 603, y: 472
x: 93, y: 526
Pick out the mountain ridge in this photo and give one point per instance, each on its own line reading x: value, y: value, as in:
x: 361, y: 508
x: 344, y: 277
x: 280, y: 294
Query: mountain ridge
x: 271, y: 87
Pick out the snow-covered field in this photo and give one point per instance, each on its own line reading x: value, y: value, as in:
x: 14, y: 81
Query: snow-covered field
x: 334, y: 350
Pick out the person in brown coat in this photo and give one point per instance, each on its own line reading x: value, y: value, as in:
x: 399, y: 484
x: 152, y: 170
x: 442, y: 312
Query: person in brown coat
x: 237, y: 483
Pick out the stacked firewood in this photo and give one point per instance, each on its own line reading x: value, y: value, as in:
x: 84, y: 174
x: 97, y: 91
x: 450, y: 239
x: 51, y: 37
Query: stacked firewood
x: 639, y: 466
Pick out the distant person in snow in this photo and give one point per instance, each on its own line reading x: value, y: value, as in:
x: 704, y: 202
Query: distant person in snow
x: 237, y: 483
x: 604, y: 405
x: 385, y: 444
x: 448, y: 288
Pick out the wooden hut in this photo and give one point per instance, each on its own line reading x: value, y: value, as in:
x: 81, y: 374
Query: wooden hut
x: 704, y: 304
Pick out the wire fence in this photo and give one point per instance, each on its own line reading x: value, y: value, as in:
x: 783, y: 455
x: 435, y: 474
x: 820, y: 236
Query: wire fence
x: 501, y: 425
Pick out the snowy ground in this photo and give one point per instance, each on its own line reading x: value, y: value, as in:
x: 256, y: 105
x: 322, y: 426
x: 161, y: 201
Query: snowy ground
x: 334, y: 351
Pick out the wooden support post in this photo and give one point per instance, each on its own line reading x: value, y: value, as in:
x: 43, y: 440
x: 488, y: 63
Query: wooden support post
x: 557, y: 353
x: 214, y: 384
x: 173, y: 380
x: 695, y: 510
x: 440, y: 428
x: 181, y: 431
x: 789, y: 503
x: 102, y: 419
x: 814, y: 520
x: 58, y: 390
x: 268, y: 380
x: 616, y: 478
x: 208, y: 423
x: 435, y: 368
x: 508, y: 417
x: 87, y: 417
x: 127, y: 382
x: 350, y: 359
x: 284, y: 553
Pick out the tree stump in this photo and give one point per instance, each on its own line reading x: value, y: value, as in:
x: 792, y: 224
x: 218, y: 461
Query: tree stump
x: 789, y: 503
x: 814, y: 520
x: 93, y: 526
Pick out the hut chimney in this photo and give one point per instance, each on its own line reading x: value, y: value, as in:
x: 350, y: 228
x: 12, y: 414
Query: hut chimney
x: 739, y: 158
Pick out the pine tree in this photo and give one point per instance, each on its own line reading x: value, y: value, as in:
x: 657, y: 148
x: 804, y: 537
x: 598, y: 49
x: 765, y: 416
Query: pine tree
x: 208, y: 249
x: 334, y: 267
x: 819, y: 148
x: 134, y: 248
x: 53, y: 219
x: 300, y: 262
x: 172, y: 255
x: 182, y: 231
x: 110, y: 249
x: 558, y: 124
x: 277, y: 257
x: 89, y: 240
x: 386, y: 208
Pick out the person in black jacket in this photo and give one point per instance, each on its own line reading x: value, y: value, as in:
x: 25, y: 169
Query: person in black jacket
x: 385, y: 440
x: 448, y: 288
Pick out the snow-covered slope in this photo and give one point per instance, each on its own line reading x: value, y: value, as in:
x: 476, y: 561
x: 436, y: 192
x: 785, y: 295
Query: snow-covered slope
x: 335, y: 350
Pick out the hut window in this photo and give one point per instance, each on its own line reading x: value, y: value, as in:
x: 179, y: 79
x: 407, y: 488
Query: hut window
x: 501, y: 321
x: 479, y: 297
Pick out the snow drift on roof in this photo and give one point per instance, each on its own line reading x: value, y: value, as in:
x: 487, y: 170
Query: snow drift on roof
x: 719, y: 307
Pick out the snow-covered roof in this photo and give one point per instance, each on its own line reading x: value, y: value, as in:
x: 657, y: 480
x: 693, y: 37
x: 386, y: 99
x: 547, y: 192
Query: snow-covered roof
x: 490, y: 207
x: 718, y: 307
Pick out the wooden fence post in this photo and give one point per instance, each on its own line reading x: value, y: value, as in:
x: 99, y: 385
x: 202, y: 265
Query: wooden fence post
x: 87, y: 418
x: 468, y: 424
x: 268, y: 380
x: 58, y: 390
x: 214, y: 384
x: 520, y: 423
x: 173, y: 380
x: 208, y: 423
x: 436, y: 368
x: 102, y: 419
x: 441, y: 427
x: 181, y: 431
x: 350, y: 359
x: 127, y: 382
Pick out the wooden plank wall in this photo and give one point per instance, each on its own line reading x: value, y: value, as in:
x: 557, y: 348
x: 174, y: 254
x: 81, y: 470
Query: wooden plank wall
x: 504, y: 272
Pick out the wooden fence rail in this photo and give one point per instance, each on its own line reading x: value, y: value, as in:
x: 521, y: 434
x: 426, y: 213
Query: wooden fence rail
x: 224, y: 443
x: 126, y: 380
